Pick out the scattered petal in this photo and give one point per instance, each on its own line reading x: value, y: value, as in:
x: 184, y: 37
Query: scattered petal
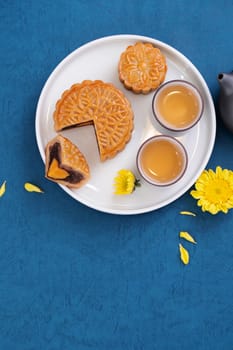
x: 184, y: 255
x: 3, y: 189
x: 187, y: 213
x: 187, y: 236
x: 32, y: 188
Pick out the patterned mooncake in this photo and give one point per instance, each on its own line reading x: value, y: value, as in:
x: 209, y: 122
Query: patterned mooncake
x: 142, y: 67
x: 100, y: 104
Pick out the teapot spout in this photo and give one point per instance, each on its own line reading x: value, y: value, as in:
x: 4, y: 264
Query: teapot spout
x: 226, y: 82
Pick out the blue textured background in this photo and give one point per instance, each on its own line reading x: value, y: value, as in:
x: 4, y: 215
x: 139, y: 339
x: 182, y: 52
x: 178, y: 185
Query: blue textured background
x: 74, y: 278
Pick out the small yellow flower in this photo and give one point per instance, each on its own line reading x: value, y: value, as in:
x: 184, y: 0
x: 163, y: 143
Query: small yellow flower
x: 125, y: 182
x: 214, y: 190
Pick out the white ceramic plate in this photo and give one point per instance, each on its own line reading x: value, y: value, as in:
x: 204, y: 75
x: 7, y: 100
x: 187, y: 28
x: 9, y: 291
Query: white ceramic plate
x: 99, y: 60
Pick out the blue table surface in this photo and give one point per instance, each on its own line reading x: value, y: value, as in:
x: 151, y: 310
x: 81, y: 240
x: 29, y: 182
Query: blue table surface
x: 75, y: 278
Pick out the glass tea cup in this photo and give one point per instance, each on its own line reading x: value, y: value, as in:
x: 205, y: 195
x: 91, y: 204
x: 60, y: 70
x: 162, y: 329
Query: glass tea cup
x: 177, y: 105
x: 162, y: 160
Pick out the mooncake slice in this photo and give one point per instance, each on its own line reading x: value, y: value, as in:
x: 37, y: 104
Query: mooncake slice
x: 102, y: 105
x: 142, y: 67
x: 65, y: 164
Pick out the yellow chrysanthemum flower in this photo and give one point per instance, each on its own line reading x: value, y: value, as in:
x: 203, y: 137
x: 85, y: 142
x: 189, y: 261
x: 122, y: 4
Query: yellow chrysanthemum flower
x: 214, y: 190
x: 125, y: 182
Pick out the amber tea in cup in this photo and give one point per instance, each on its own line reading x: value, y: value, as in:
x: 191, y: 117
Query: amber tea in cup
x: 177, y: 105
x: 162, y: 160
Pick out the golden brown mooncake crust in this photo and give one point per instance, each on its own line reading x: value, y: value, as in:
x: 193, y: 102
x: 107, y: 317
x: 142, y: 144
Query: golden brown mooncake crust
x: 104, y: 106
x: 142, y: 67
x: 70, y: 158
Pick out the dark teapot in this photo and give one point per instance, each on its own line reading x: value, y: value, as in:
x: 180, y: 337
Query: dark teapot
x: 226, y: 99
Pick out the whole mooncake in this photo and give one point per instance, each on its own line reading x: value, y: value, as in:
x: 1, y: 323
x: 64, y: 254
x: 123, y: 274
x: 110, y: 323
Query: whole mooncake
x: 142, y: 67
x: 100, y: 104
x: 65, y: 164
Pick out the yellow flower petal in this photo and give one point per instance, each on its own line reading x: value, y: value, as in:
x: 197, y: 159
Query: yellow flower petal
x: 184, y: 255
x: 219, y: 171
x: 200, y: 186
x: 32, y: 188
x: 187, y: 236
x: 195, y: 194
x: 3, y: 189
x: 187, y: 213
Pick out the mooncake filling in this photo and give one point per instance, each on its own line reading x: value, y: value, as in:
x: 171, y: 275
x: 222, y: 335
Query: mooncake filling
x: 58, y: 172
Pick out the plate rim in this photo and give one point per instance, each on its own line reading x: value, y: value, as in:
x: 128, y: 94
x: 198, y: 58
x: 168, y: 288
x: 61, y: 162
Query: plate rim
x: 132, y: 37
